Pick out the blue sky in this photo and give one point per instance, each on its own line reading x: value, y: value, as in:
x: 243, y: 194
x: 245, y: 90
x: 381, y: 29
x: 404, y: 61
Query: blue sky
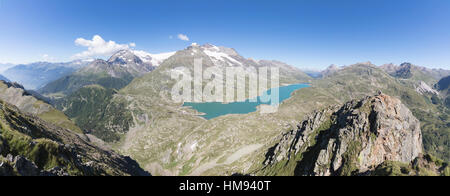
x: 304, y: 33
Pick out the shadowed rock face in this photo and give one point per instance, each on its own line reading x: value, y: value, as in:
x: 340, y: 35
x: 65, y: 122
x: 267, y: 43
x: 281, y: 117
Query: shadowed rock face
x: 443, y: 84
x: 351, y: 140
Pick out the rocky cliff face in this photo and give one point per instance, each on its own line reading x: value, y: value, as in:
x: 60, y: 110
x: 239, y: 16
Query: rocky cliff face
x: 350, y: 140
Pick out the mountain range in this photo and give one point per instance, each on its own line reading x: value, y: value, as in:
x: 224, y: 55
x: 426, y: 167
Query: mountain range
x: 35, y: 75
x: 360, y: 119
x: 117, y: 72
x: 5, y: 66
x: 168, y: 139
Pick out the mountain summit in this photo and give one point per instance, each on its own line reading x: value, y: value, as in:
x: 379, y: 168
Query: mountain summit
x: 122, y: 64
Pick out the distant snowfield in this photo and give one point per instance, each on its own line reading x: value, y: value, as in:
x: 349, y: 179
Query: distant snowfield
x: 218, y: 55
x: 154, y: 59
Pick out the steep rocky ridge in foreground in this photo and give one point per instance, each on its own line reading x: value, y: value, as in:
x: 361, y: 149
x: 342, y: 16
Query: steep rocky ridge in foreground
x: 362, y: 137
x: 30, y: 146
x: 31, y: 103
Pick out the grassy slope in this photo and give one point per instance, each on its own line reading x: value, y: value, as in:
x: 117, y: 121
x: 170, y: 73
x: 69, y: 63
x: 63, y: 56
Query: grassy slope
x: 69, y: 84
x: 88, y: 106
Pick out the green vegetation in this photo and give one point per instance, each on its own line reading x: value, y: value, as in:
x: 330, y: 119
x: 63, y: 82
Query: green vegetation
x: 69, y: 84
x: 428, y: 165
x: 187, y: 167
x: 299, y: 163
x: 93, y: 110
x: 60, y: 119
x: 46, y: 154
x: 351, y: 159
x: 392, y: 168
x: 436, y: 134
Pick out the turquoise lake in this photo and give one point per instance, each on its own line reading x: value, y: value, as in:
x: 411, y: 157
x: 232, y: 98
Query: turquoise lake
x: 215, y: 109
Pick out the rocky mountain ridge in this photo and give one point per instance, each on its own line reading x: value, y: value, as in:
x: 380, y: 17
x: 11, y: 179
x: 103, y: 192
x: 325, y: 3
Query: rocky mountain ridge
x: 115, y: 73
x: 32, y: 103
x: 122, y: 64
x: 30, y: 146
x: 354, y: 139
x: 415, y: 72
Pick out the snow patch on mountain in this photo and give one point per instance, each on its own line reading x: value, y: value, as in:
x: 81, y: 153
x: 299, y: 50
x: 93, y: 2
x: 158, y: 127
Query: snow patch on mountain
x: 217, y: 54
x: 154, y: 59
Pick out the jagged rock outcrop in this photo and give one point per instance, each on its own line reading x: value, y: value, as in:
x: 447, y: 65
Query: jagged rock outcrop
x: 350, y: 140
x: 423, y: 88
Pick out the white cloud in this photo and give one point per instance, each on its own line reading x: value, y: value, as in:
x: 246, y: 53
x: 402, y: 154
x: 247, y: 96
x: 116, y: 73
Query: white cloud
x: 99, y: 47
x: 183, y: 37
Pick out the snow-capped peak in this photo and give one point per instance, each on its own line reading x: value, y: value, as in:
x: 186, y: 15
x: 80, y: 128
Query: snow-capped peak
x: 154, y: 59
x: 222, y: 54
x: 124, y: 57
